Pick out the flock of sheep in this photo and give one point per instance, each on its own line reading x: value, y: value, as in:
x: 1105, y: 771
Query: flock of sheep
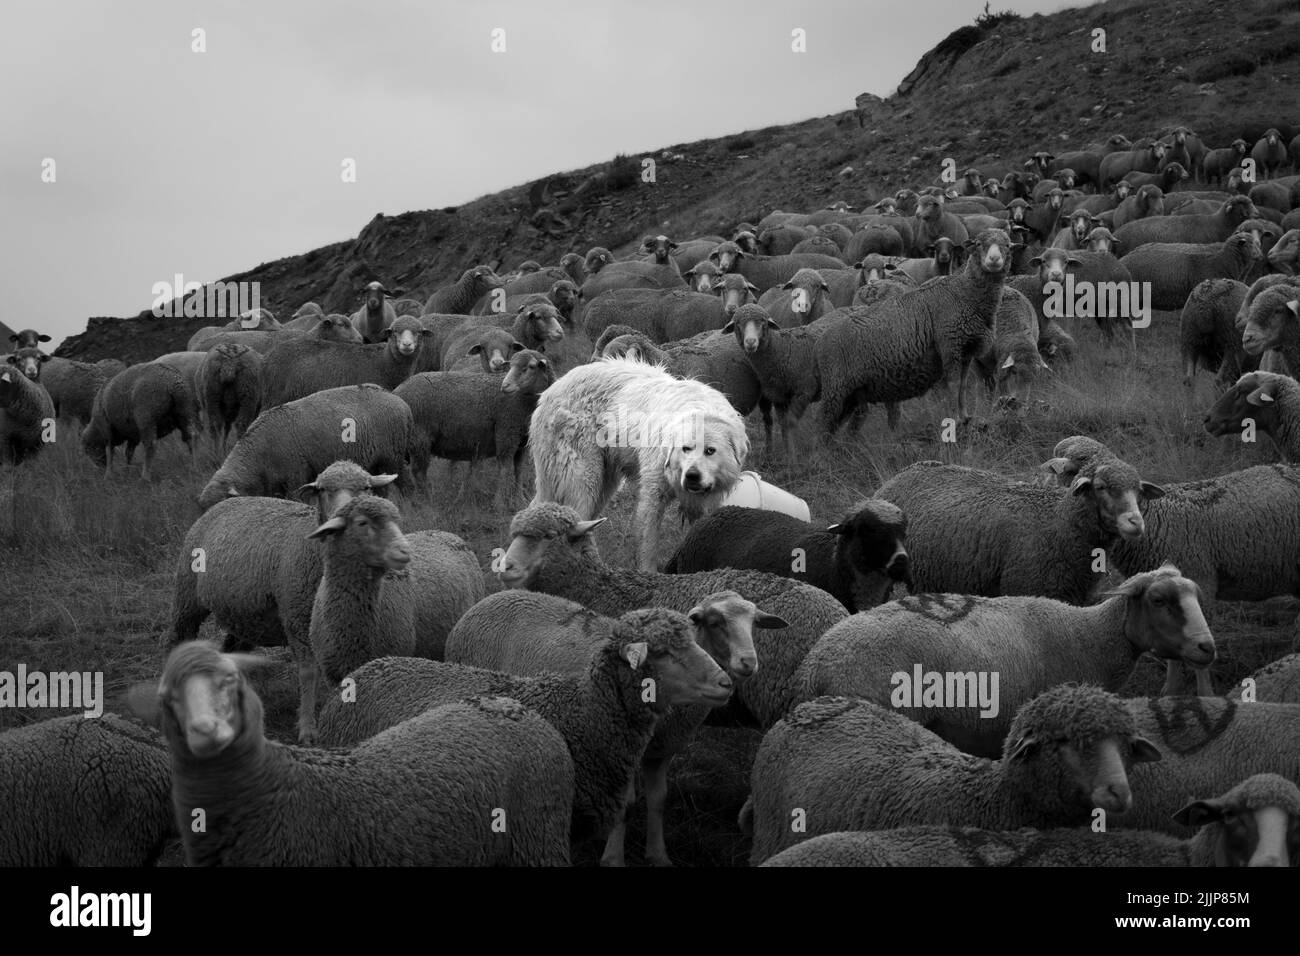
x: 972, y: 721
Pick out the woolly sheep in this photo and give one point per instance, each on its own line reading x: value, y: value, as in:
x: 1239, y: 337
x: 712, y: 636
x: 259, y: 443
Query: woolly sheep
x: 849, y: 764
x: 551, y: 550
x: 906, y: 345
x: 669, y: 315
x: 1273, y: 322
x: 856, y: 560
x: 564, y: 294
x: 874, y: 237
x: 1169, y: 176
x: 72, y: 386
x: 605, y: 276
x: 784, y: 362
x: 1147, y: 202
x: 1174, y: 269
x: 141, y: 405
x: 489, y: 350
x: 230, y: 389
x: 78, y: 792
x: 302, y: 366
x: 1247, y: 826
x: 361, y: 612
x: 187, y: 363
x: 259, y: 573
x: 766, y: 272
x: 800, y: 301
x: 459, y: 297
x: 28, y: 361
x: 933, y: 223
x: 470, y: 417
x: 1012, y: 362
x: 1271, y: 401
x: 1098, y: 270
x: 288, y: 445
x: 780, y: 240
x: 1269, y: 153
x: 1032, y: 643
x: 426, y: 792
x: 1218, y: 162
x: 26, y: 414
x: 405, y: 306
x: 1015, y: 537
x: 943, y: 256
x: 535, y: 324
x: 1207, y: 336
x: 570, y: 267
x: 1187, y: 230
x: 1144, y: 157
x: 598, y: 707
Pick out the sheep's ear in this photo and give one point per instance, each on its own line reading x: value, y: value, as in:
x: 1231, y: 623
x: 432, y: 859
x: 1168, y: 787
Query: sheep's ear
x: 1199, y: 812
x: 332, y: 526
x: 1072, y: 261
x: 385, y: 333
x: 689, y: 272
x: 635, y: 654
x: 1294, y: 306
x: 839, y: 528
x: 1144, y: 751
x: 858, y: 264
x: 671, y: 245
x: 46, y: 358
x: 232, y: 492
x: 1061, y: 466
x: 11, y: 359
x: 788, y: 285
x: 306, y: 492
x: 516, y: 347
x: 584, y: 528
x: 426, y: 331
x: 750, y: 287
x: 772, y: 323
x: 378, y: 481
x: 1259, y: 396
x: 769, y: 622
x: 929, y: 250
x: 1151, y: 491
x: 1010, y: 362
x: 648, y: 242
x: 729, y: 327
x: 1081, y: 484
x: 1023, y: 749
x: 825, y: 288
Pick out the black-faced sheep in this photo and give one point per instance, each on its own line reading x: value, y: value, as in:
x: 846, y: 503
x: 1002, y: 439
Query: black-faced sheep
x: 1269, y: 153
x: 376, y: 314
x: 784, y: 362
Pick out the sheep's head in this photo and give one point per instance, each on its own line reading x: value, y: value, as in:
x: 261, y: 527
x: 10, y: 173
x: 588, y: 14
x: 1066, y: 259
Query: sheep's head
x: 1055, y: 197
x: 573, y: 264
x: 1256, y: 823
x: 528, y: 267
x: 1123, y: 189
x: 1245, y: 242
x: 597, y: 258
x: 1240, y: 145
x: 1039, y: 161
x: 367, y: 529
x: 886, y: 207
x: 495, y: 347
x: 543, y: 531
x: 734, y: 290
x: 1236, y: 182
x: 726, y: 256
x: 339, y: 483
x: 1254, y: 397
x: 1165, y: 617
x: 1118, y: 142
x: 1150, y: 200
x: 1073, y: 746
x: 205, y: 703
x: 870, y: 541
x: 702, y: 276
x: 750, y: 325
x: 990, y: 251
x: 1284, y: 257
x: 404, y: 336
x: 633, y: 346
x: 1271, y: 136
x: 805, y: 288
x: 1157, y: 150
x: 1080, y: 222
x: 1065, y: 178
x: 1102, y: 239
x: 540, y: 321
x: 664, y: 644
x: 1238, y: 209
x: 990, y: 188
x: 1116, y: 491
x: 875, y: 267
x: 748, y: 241
x: 482, y: 279
x: 530, y: 373
x: 1016, y: 210
x: 1273, y: 317
x: 724, y: 627
x: 373, y: 296
x: 1053, y: 264
x: 28, y: 360
x: 28, y: 339
x: 308, y: 308
x: 661, y: 247
x: 564, y: 295
x: 929, y: 208
x: 946, y: 254
x: 337, y: 327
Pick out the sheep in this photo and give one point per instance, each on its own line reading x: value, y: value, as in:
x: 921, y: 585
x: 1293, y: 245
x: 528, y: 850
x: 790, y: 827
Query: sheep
x: 1218, y: 162
x: 1247, y: 826
x: 875, y: 289
x: 702, y: 276
x: 490, y: 350
x: 1033, y: 643
x: 1062, y: 180
x: 570, y: 267
x: 1041, y: 220
x: 230, y: 390
x: 1173, y: 269
x: 187, y: 363
x: 689, y: 252
x: 406, y: 306
x: 28, y: 361
x: 837, y: 232
x: 1274, y: 195
x: 302, y: 366
x: 1019, y: 538
x: 1208, y: 744
x: 1284, y: 257
x: 331, y: 328
x: 78, y: 792
x: 1206, y: 334
x: 72, y: 386
x: 551, y: 550
x: 1275, y: 683
x: 780, y: 240
x: 28, y: 339
x: 141, y: 405
x: 1099, y: 203
x: 1269, y: 153
x: 819, y: 245
x: 361, y: 612
x: 459, y: 297
x: 254, y: 319
x: 288, y: 445
x: 533, y: 325
x: 1271, y: 401
x: 906, y: 345
x: 564, y: 294
x: 766, y: 272
x: 1273, y: 322
x: 605, y: 275
x: 1169, y: 176
x: 856, y: 560
x: 259, y: 573
x: 1187, y: 229
x: 426, y: 792
x: 849, y: 764
x: 1076, y: 226
x: 1258, y: 287
x: 618, y: 419
x: 669, y: 315
x: 942, y: 257
x: 598, y: 707
x: 874, y: 237
x: 784, y: 362
x: 799, y: 301
x: 1148, y: 202
x: 525, y: 633
x: 1144, y: 157
x: 933, y: 223
x: 1012, y: 361
x: 470, y: 417
x: 1094, y: 269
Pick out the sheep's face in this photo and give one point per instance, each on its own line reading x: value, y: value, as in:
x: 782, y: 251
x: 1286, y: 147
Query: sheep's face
x: 805, y: 288
x: 1256, y: 823
x: 991, y: 251
x: 1239, y: 208
x: 374, y: 297
x: 1272, y: 314
x: 530, y: 374
x: 1254, y: 396
x: 734, y: 291
x: 929, y: 209
x: 27, y: 339
x: 1272, y: 137
x: 564, y: 295
x: 572, y: 263
x: 404, y: 336
x: 527, y: 552
x: 495, y: 348
x: 1165, y: 617
x: 747, y: 241
x: 1118, y: 142
x: 702, y: 277
x: 1018, y: 373
x: 596, y: 260
x: 337, y: 328
x: 684, y: 673
x: 1157, y: 150
x: 888, y: 207
x: 1240, y: 145
x: 942, y: 252
x: 367, y: 528
x: 485, y: 279
x: 724, y: 627
x: 991, y: 188
x: 1122, y: 189
x: 205, y: 702
x: 1080, y: 225
x: 1053, y: 264
x: 750, y: 325
x: 873, y: 268
x: 1115, y: 491
x: 871, y: 540
x: 528, y: 267
x: 542, y: 321
x: 1016, y: 210
x: 1284, y: 257
x: 1065, y: 178
x: 726, y: 256
x: 660, y: 247
x: 28, y: 361
x: 1101, y: 240
x: 1086, y: 773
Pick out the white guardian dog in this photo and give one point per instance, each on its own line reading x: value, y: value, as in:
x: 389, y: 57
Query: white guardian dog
x: 616, y: 419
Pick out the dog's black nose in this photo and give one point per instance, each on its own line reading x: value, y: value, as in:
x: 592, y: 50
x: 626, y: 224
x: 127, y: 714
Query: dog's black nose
x: 693, y: 473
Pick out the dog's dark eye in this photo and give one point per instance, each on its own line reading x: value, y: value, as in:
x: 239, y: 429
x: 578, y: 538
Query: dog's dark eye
x: 709, y: 451
x: 687, y: 447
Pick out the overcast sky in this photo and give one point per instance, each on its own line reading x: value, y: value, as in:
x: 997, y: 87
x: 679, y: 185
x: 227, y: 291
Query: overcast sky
x: 169, y: 160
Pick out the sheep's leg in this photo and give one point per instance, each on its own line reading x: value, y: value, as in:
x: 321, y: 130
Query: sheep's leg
x: 655, y: 774
x: 613, y: 854
x: 962, y: 414
x: 146, y: 469
x: 649, y: 515
x: 307, y: 678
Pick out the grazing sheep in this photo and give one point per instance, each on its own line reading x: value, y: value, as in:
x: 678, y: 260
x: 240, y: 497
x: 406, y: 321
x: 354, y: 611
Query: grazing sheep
x: 1273, y: 322
x: 288, y: 445
x: 72, y: 386
x: 1218, y: 162
x: 598, y: 706
x: 425, y: 793
x: 385, y: 593
x: 857, y: 560
x: 1269, y: 153
x: 1033, y: 643
x: 1012, y: 363
x: 804, y: 299
x: 1174, y: 269
x: 849, y: 764
x: 669, y: 315
x: 1019, y: 538
x: 230, y: 389
x: 1271, y: 401
x: 904, y: 346
x: 78, y: 792
x: 1247, y: 826
x: 304, y: 366
x: 459, y: 297
x: 1206, y: 333
x: 471, y: 417
x: 551, y: 550
x: 140, y: 406
x: 784, y: 362
x: 259, y: 573
x: 1144, y: 157
x: 617, y: 419
x: 187, y: 363
x: 1215, y: 227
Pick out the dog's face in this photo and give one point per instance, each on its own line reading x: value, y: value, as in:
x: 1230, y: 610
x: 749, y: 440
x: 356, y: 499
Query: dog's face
x: 706, y: 460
